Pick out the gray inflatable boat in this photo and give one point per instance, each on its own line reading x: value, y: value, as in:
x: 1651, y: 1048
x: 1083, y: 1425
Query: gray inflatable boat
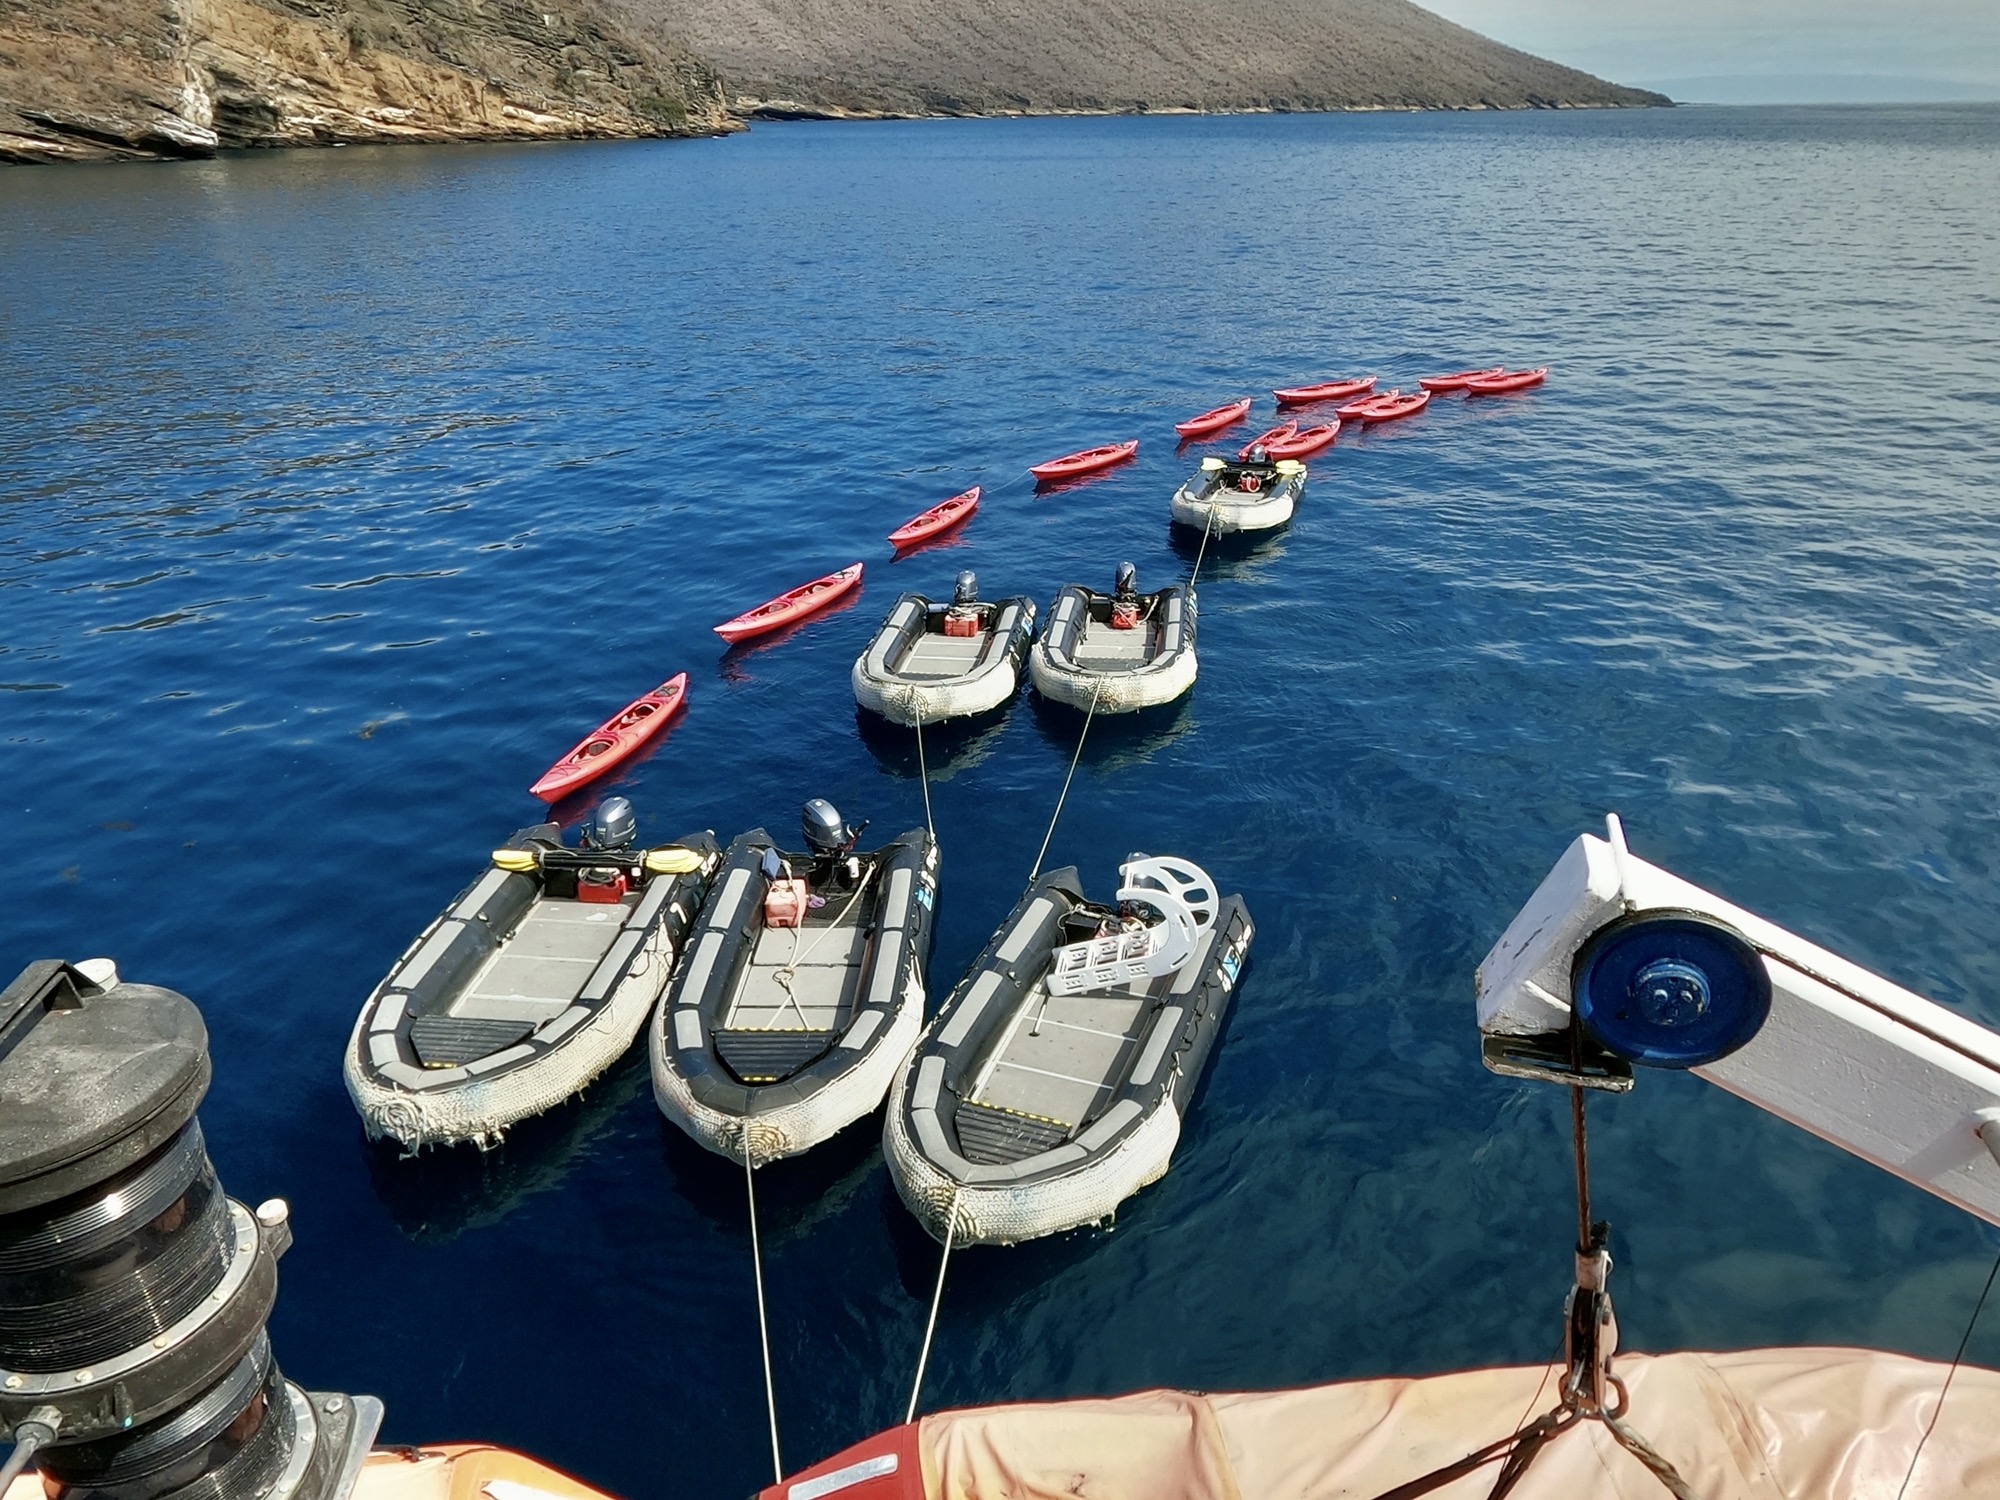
x: 1226, y: 496
x: 1052, y: 1084
x: 935, y: 662
x: 532, y: 982
x: 802, y: 992
x: 1116, y: 652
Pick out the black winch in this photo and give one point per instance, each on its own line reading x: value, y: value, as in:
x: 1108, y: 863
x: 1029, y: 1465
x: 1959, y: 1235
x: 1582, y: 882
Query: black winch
x: 133, y: 1291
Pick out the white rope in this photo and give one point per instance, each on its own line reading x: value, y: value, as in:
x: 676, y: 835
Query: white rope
x: 789, y: 971
x: 924, y: 770
x: 937, y: 1296
x: 1202, y: 551
x: 1064, y: 797
x: 763, y: 1326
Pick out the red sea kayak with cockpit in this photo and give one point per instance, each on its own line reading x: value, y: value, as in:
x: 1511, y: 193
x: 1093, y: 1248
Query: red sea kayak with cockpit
x: 1305, y: 442
x: 1214, y: 421
x: 806, y: 599
x: 937, y: 520
x: 1439, y: 384
x: 1089, y: 461
x: 1386, y: 407
x: 1264, y: 439
x: 1329, y: 390
x: 614, y: 741
x: 1505, y: 381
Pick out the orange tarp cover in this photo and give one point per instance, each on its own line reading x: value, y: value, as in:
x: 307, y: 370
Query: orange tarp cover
x: 1778, y: 1424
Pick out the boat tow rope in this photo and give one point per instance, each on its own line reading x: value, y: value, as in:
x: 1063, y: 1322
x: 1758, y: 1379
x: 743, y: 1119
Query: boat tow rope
x: 1590, y: 1339
x: 924, y: 774
x: 763, y: 1324
x: 1207, y: 526
x: 937, y: 1296
x: 1064, y: 795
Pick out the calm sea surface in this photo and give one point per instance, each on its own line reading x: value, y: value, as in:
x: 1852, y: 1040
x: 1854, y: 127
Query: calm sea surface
x: 341, y: 491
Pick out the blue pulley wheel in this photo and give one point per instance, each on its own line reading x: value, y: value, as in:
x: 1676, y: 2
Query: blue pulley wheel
x: 1670, y: 989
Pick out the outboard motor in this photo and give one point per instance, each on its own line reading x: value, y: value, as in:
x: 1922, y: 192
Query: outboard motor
x: 826, y: 832
x: 965, y: 588
x: 134, y: 1364
x: 965, y: 615
x: 614, y: 826
x: 1125, y: 598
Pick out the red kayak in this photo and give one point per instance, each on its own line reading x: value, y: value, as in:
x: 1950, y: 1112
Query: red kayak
x: 1214, y: 421
x: 1308, y: 440
x: 1264, y: 439
x: 1388, y: 408
x: 614, y: 740
x: 1438, y: 384
x: 1087, y: 462
x: 1352, y: 411
x: 806, y: 599
x: 1505, y: 381
x: 1331, y: 390
x: 936, y: 520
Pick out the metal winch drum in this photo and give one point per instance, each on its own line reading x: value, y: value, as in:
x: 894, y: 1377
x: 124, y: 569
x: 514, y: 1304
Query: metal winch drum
x: 134, y: 1363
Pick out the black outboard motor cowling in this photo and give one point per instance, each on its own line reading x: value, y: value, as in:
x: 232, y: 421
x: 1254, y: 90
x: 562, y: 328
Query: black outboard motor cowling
x: 965, y: 588
x: 133, y: 1291
x: 614, y: 826
x: 825, y: 831
x: 1126, y: 581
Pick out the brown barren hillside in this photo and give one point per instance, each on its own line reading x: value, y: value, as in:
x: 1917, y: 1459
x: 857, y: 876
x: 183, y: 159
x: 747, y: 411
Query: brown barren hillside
x: 94, y: 80
x: 928, y: 57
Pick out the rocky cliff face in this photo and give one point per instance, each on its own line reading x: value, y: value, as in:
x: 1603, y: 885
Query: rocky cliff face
x: 88, y: 80
x: 928, y: 57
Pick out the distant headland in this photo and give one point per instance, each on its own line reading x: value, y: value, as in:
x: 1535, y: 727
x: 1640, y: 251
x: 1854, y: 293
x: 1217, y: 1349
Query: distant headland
x: 98, y: 80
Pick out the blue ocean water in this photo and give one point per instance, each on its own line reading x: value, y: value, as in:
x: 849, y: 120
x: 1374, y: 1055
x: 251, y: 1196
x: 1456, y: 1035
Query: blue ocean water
x: 341, y: 491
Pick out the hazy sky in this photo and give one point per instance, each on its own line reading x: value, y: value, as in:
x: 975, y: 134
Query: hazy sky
x: 1759, y: 50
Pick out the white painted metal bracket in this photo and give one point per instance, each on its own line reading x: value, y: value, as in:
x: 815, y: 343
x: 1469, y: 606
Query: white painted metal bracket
x: 1876, y: 1069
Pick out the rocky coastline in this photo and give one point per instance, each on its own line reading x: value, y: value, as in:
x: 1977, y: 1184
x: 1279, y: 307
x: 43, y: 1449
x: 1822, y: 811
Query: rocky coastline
x: 121, y: 80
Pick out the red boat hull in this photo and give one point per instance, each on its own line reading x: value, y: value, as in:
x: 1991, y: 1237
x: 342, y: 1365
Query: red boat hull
x: 1438, y: 384
x: 1389, y: 408
x: 1330, y: 390
x: 1511, y: 380
x: 1089, y: 461
x: 614, y: 741
x: 937, y: 520
x: 806, y: 599
x: 1306, y: 441
x: 1214, y: 421
x: 1264, y: 439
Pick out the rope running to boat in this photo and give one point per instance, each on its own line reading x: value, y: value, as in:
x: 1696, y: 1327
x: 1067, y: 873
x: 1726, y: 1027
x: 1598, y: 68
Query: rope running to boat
x: 1064, y: 796
x: 937, y: 1296
x: 1956, y: 1360
x: 1207, y: 526
x: 786, y: 974
x: 924, y: 772
x: 763, y: 1324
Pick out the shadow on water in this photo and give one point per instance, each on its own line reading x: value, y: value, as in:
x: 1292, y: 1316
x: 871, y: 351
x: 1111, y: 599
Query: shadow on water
x: 950, y: 748
x: 794, y: 1196
x: 1115, y: 741
x: 1234, y: 557
x: 439, y: 1194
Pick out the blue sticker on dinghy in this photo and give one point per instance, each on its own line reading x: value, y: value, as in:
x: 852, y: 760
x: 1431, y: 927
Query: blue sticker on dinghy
x: 924, y: 895
x: 1232, y: 964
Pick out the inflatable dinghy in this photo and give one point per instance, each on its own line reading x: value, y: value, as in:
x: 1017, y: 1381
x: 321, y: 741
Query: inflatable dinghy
x: 1116, y: 652
x: 933, y: 662
x: 802, y: 992
x: 1052, y: 1085
x: 532, y: 982
x: 1224, y: 497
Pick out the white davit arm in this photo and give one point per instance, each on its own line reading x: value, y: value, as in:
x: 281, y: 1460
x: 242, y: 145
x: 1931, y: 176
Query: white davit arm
x: 1184, y: 897
x: 1895, y: 1079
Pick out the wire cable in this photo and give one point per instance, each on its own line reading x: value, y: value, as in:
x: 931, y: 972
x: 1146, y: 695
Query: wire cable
x: 763, y: 1324
x: 937, y: 1296
x: 1064, y: 796
x: 1945, y: 1390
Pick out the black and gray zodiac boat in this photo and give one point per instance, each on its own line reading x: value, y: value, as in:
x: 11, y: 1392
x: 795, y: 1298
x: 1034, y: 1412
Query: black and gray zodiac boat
x: 1225, y: 496
x: 1116, y: 652
x: 802, y: 991
x: 930, y: 662
x: 532, y: 982
x: 1051, y: 1086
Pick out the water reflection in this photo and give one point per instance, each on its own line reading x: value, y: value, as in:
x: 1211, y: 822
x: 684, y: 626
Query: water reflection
x: 439, y: 1194
x: 949, y: 749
